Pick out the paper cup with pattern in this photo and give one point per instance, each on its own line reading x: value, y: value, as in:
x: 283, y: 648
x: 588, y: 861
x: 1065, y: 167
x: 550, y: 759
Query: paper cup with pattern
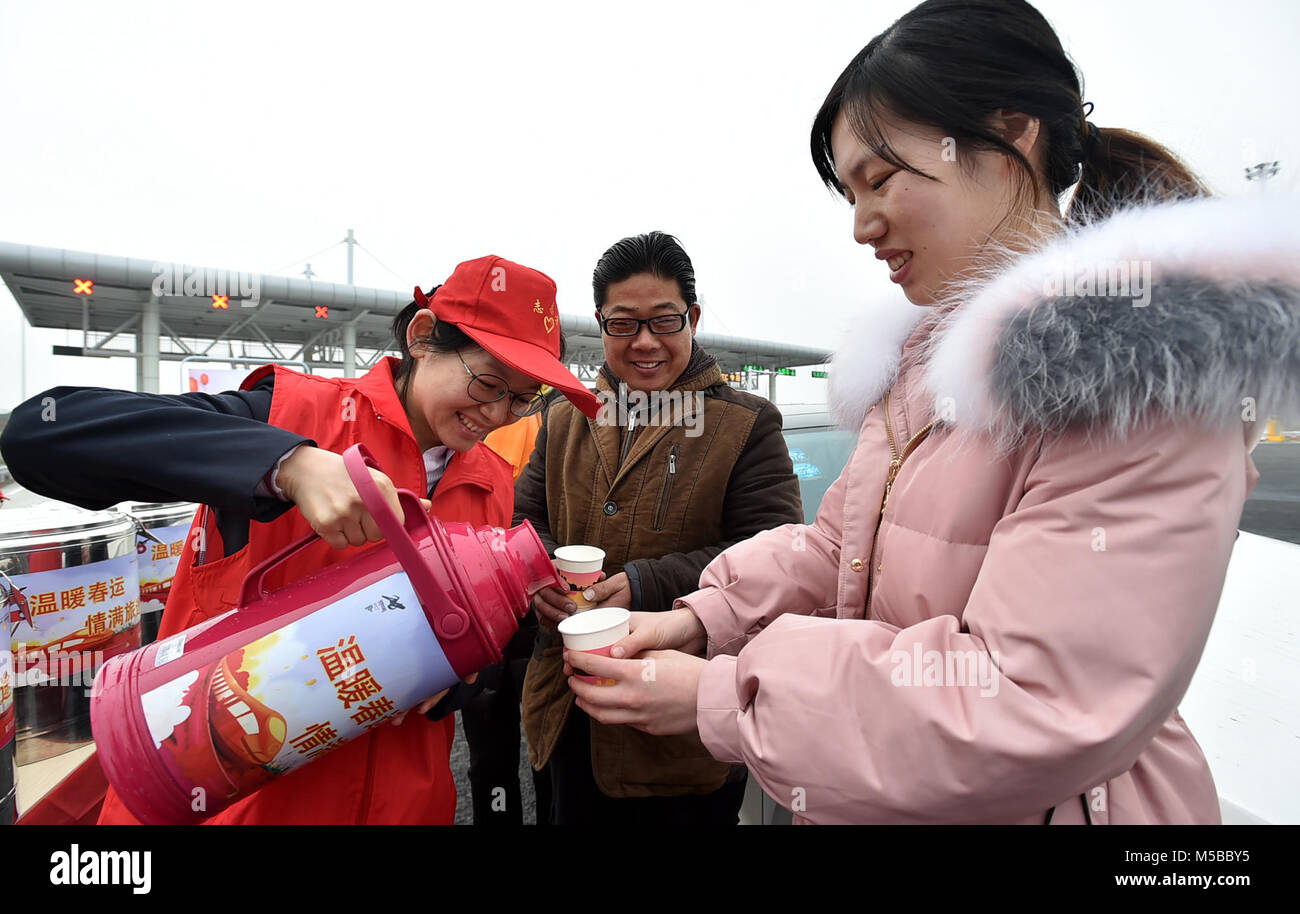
x: 595, y: 632
x: 581, y: 567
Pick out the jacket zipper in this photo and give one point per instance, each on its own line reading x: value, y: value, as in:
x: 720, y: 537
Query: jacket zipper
x: 668, y: 485
x: 895, y: 465
x: 627, y: 446
x: 627, y: 440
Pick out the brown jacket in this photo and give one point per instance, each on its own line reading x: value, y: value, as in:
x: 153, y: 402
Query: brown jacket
x: 662, y: 506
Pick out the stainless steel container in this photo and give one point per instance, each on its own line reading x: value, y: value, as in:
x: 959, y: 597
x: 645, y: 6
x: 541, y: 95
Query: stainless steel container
x: 161, y: 531
x: 73, y: 601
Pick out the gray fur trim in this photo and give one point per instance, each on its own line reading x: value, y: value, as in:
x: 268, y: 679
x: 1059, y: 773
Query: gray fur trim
x: 1201, y: 349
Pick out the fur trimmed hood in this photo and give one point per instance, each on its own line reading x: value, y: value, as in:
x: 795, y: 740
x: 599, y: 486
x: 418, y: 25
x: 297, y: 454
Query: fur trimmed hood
x: 1189, y: 310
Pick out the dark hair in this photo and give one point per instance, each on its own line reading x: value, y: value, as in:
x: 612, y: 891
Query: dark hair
x: 950, y: 64
x: 444, y: 337
x: 656, y: 253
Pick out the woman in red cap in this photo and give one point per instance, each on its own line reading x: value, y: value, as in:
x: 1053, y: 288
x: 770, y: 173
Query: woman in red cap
x: 474, y: 355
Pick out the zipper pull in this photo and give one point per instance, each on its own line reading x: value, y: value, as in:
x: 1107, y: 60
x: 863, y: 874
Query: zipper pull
x: 672, y: 464
x: 894, y: 466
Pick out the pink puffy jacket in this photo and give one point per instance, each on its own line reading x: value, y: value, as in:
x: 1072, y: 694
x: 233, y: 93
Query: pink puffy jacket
x: 1007, y: 636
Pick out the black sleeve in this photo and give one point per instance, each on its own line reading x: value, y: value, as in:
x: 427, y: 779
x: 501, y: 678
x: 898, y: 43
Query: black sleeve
x: 95, y: 447
x: 530, y: 492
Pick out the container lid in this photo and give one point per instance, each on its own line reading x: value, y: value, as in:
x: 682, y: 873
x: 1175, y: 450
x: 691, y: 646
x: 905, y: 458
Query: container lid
x: 158, y: 513
x: 56, y: 523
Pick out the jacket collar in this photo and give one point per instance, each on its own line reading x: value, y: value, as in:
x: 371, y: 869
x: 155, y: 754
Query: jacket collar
x: 700, y: 372
x: 378, y: 386
x: 670, y: 408
x: 1189, y: 310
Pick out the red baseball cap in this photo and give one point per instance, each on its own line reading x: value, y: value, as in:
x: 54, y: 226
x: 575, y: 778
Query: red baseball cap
x: 510, y: 311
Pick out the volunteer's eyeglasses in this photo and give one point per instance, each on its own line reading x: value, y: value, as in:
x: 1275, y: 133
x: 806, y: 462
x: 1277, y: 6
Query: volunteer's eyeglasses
x: 661, y: 325
x: 488, y: 388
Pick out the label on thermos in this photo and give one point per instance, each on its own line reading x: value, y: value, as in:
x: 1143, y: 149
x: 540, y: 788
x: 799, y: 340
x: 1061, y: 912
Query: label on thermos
x: 282, y: 700
x: 169, y: 649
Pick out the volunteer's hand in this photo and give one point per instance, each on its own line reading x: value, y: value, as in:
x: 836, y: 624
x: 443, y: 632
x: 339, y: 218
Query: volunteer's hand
x: 675, y: 630
x: 655, y: 693
x: 426, y: 706
x: 613, y: 592
x: 318, y: 483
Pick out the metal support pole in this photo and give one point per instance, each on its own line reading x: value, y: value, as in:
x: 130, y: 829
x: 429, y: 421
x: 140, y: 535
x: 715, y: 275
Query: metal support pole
x: 771, y: 387
x: 350, y: 349
x: 150, y: 323
x: 350, y: 241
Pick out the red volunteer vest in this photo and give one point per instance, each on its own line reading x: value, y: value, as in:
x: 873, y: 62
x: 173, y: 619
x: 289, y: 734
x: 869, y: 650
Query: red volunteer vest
x: 393, y: 774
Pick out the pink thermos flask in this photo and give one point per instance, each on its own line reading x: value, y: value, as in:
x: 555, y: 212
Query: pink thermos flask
x: 188, y: 725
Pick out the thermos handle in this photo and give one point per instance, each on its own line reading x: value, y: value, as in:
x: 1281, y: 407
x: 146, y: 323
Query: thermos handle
x: 450, y: 619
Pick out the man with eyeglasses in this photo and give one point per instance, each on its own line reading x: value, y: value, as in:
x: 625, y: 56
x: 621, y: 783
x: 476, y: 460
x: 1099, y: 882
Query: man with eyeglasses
x: 662, y: 488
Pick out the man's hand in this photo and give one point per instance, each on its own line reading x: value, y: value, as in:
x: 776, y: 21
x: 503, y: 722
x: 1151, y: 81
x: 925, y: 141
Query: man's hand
x: 553, y: 605
x: 616, y: 591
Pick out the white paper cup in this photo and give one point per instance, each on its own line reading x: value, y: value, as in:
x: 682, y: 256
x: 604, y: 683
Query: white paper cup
x: 595, y: 632
x: 580, y: 566
x: 579, y: 559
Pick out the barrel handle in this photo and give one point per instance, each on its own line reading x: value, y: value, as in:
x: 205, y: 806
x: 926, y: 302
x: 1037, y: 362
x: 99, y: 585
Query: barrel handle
x: 450, y: 620
x: 13, y: 594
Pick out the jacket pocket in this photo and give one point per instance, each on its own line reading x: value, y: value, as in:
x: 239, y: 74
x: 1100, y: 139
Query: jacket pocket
x: 668, y: 488
x: 545, y: 703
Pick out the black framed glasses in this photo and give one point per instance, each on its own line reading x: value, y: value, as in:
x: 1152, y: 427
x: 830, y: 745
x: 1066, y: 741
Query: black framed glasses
x: 488, y: 388
x: 630, y: 326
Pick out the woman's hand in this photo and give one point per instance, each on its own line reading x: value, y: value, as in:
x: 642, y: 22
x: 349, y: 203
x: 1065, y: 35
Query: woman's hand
x: 655, y: 693
x: 675, y: 630
x: 317, y: 481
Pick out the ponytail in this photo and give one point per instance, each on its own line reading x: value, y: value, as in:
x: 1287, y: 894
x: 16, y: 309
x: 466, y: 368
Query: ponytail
x: 1122, y: 168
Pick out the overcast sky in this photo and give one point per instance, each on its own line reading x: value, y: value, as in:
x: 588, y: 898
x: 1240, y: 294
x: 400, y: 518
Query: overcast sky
x: 249, y: 135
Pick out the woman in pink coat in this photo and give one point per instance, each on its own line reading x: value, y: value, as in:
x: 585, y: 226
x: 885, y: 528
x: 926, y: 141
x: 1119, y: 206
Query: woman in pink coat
x: 1005, y: 594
